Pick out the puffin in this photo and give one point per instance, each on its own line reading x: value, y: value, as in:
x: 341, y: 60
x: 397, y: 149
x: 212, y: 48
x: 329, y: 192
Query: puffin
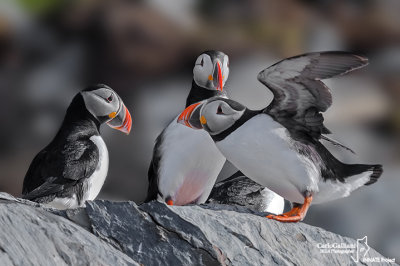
x: 280, y: 146
x: 73, y: 167
x: 186, y: 162
x: 240, y: 190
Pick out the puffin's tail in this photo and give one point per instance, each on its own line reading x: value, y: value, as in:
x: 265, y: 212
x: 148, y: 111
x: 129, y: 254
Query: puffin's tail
x: 351, y: 170
x: 345, y: 177
x: 335, y: 169
x: 350, y: 177
x: 377, y: 171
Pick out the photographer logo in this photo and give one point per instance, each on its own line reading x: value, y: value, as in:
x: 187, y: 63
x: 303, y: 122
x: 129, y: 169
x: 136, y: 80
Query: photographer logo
x: 358, y: 251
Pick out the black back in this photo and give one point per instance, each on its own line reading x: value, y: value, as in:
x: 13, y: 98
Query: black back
x: 61, y: 168
x: 242, y: 191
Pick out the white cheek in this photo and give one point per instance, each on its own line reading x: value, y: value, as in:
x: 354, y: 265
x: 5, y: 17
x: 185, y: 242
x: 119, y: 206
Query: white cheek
x: 219, y: 123
x: 237, y: 115
x: 214, y: 125
x: 98, y: 107
x: 92, y: 104
x: 111, y: 107
x: 226, y: 74
x: 200, y: 76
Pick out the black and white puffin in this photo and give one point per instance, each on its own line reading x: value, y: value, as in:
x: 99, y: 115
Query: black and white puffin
x: 242, y: 191
x: 279, y: 147
x: 185, y: 162
x: 73, y: 167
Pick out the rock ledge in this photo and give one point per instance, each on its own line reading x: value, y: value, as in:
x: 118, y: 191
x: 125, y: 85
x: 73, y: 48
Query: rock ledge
x: 123, y: 233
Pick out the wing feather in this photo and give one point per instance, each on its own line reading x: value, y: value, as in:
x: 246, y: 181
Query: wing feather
x: 54, y: 170
x: 299, y: 93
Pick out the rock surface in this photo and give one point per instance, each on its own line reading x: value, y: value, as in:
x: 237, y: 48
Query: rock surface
x: 122, y: 233
x: 30, y: 235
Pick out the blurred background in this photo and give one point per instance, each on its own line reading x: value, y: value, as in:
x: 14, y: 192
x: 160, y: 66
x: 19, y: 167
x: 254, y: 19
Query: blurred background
x: 145, y: 50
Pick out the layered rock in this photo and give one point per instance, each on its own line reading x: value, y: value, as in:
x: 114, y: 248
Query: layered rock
x: 123, y: 233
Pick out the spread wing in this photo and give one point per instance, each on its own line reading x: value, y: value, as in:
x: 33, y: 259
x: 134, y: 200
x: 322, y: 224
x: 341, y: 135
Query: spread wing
x: 55, y: 170
x: 299, y: 94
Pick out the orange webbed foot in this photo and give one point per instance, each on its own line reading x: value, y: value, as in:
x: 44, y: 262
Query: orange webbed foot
x: 295, y: 215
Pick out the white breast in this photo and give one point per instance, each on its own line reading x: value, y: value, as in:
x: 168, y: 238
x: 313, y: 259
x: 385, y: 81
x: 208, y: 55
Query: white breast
x: 64, y: 203
x: 260, y: 148
x: 96, y: 180
x: 189, y: 165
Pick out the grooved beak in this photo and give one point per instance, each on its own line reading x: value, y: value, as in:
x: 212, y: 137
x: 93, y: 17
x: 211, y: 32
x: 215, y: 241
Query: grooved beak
x: 217, y: 78
x: 190, y: 117
x: 220, y: 86
x: 121, y: 121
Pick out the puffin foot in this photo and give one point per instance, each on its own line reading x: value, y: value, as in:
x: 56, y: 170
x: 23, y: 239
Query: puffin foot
x: 170, y: 202
x: 295, y: 215
x: 294, y: 211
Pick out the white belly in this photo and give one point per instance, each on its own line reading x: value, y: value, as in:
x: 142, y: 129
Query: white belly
x: 189, y: 165
x: 64, y: 203
x: 260, y: 149
x: 96, y: 180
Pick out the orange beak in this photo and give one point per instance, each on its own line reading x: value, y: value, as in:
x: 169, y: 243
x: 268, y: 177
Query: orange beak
x: 122, y: 121
x: 219, y: 79
x: 185, y: 117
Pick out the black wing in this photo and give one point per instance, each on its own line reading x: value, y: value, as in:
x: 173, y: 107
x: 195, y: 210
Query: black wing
x: 299, y: 94
x: 56, y: 170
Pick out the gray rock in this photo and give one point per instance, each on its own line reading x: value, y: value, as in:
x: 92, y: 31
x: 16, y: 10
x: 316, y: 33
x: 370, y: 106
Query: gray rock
x: 32, y: 236
x: 118, y: 233
x: 151, y: 234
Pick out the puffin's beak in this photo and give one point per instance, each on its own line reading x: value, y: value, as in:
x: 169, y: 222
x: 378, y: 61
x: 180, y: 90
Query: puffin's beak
x: 121, y: 121
x: 190, y: 117
x: 217, y: 76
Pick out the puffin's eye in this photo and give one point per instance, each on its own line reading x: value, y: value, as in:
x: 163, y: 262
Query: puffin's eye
x: 109, y: 99
x: 202, y: 62
x: 219, y: 111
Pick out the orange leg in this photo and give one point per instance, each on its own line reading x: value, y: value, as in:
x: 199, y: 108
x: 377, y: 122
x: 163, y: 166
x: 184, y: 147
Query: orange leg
x: 170, y: 202
x: 293, y: 211
x: 295, y: 215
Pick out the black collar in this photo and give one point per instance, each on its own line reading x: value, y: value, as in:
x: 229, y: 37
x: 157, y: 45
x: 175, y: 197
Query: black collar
x: 198, y: 94
x: 247, y: 115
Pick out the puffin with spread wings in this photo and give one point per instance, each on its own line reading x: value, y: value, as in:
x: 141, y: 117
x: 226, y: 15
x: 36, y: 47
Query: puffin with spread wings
x: 280, y: 146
